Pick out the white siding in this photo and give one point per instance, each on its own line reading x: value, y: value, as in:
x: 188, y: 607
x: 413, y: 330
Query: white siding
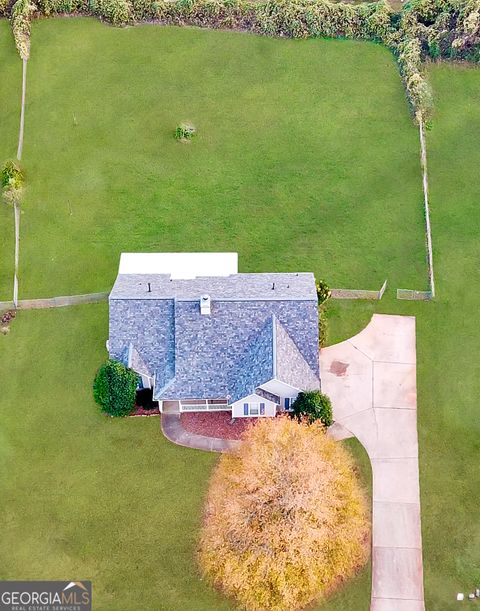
x: 146, y: 381
x: 238, y: 409
x: 282, y: 390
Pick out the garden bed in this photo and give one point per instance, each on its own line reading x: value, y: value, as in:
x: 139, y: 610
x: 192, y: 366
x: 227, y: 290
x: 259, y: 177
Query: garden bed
x: 144, y: 404
x: 142, y: 411
x: 5, y: 320
x: 217, y: 424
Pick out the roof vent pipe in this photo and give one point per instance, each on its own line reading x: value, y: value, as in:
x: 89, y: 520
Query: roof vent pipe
x: 205, y: 305
x: 149, y: 287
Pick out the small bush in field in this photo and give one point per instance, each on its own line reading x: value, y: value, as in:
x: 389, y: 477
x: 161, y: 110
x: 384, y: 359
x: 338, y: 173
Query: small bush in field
x: 285, y: 519
x: 12, y: 180
x: 114, y: 388
x: 184, y: 132
x: 12, y: 176
x: 313, y: 405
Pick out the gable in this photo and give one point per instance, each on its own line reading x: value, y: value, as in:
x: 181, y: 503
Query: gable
x: 291, y: 367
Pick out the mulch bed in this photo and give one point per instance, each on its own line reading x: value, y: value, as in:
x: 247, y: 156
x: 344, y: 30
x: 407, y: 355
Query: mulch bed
x: 5, y: 320
x: 215, y: 424
x: 141, y: 411
x: 144, y: 404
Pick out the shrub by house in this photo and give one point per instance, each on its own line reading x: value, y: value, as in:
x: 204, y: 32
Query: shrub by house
x: 312, y: 405
x: 114, y: 388
x: 285, y: 520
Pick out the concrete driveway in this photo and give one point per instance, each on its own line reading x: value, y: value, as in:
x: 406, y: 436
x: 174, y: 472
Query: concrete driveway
x: 371, y: 380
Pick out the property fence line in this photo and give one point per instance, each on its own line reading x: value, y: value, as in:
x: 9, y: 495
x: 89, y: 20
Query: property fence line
x: 16, y: 217
x: 428, y: 229
x: 22, y: 110
x: 410, y: 293
x: 54, y: 302
x: 358, y: 293
x: 413, y: 295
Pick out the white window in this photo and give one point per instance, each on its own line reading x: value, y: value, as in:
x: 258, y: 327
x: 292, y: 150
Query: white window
x: 288, y: 402
x: 254, y: 409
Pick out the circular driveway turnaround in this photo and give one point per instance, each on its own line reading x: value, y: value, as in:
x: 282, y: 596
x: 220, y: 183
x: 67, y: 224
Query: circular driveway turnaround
x: 371, y: 380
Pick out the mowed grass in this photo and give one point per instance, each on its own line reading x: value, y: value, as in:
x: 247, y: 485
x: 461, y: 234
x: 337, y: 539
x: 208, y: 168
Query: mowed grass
x: 102, y: 499
x: 306, y: 157
x: 448, y: 344
x: 89, y: 497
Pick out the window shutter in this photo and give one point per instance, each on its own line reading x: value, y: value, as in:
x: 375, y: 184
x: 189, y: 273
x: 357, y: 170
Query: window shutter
x: 262, y: 409
x: 287, y: 403
x: 245, y: 409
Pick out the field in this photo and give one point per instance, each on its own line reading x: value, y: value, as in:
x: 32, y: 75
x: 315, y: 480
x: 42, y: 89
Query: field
x: 298, y: 163
x: 306, y: 158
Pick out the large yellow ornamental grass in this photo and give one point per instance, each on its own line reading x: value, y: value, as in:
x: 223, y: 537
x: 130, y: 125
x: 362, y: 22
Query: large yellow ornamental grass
x: 285, y: 520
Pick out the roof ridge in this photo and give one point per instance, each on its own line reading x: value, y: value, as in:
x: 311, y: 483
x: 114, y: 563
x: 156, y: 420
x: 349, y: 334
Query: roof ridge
x: 274, y: 345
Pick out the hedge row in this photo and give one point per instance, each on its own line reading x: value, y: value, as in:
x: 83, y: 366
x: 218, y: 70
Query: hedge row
x: 424, y: 28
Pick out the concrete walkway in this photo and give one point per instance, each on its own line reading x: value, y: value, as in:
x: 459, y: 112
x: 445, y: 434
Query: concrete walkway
x: 371, y: 379
x: 173, y: 430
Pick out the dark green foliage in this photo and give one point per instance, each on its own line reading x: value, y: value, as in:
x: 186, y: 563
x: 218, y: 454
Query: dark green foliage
x: 313, y: 405
x: 184, y: 131
x: 114, y: 388
x: 322, y: 326
x: 323, y: 291
x: 12, y: 176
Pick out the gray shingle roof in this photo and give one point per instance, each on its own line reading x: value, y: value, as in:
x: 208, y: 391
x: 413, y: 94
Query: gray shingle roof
x: 290, y: 365
x: 137, y: 363
x: 284, y: 286
x: 257, y: 364
x: 226, y: 353
x: 149, y: 326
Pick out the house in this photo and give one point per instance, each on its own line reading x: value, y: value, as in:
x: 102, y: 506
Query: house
x: 205, y: 337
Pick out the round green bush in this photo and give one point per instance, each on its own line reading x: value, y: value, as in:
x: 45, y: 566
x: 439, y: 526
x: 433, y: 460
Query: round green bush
x: 313, y: 405
x: 114, y: 388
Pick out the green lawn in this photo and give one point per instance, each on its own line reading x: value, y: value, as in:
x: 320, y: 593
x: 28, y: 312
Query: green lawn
x: 306, y: 157
x: 448, y: 344
x: 107, y: 500
x: 88, y: 497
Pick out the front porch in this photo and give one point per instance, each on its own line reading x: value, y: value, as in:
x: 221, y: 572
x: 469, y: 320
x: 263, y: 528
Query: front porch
x: 194, y: 405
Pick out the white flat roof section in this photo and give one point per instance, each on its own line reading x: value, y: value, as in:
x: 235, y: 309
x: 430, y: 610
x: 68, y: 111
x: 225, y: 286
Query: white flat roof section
x: 180, y: 265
